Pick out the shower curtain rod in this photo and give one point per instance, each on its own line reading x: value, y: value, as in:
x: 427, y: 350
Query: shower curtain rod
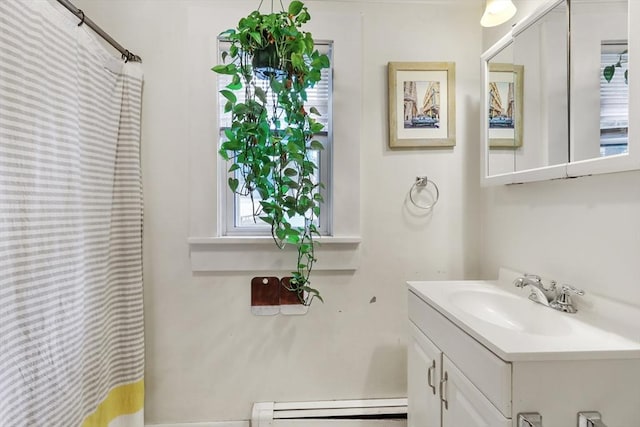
x: 126, y: 55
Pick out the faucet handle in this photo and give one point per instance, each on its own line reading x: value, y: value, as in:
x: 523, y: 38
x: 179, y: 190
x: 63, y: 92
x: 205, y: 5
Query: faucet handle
x: 563, y: 301
x: 533, y: 277
x: 565, y: 289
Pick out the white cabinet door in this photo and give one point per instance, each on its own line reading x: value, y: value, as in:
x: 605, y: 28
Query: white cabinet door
x: 424, y: 367
x: 465, y: 404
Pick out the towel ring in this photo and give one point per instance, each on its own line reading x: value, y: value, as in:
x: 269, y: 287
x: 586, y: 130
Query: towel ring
x: 421, y: 182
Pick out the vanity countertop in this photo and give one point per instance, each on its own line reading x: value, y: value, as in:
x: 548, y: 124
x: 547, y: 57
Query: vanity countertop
x: 503, y: 319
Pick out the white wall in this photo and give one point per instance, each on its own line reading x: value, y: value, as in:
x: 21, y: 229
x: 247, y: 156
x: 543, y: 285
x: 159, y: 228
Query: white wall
x: 582, y: 231
x: 208, y: 358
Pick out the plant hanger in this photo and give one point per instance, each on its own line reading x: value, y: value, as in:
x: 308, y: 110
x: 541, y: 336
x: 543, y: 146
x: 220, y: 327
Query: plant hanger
x: 281, y: 5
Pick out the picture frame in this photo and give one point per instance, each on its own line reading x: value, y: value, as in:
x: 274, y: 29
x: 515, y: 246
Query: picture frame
x: 505, y: 105
x: 422, y: 104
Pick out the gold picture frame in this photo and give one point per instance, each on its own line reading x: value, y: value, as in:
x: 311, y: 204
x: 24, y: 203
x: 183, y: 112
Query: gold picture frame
x: 422, y: 104
x: 505, y: 116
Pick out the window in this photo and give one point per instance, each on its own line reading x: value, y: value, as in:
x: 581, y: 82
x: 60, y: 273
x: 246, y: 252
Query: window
x: 614, y: 98
x: 237, y: 211
x: 211, y: 249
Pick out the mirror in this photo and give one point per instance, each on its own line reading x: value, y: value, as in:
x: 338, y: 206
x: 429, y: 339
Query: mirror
x: 541, y: 49
x: 505, y: 118
x: 599, y: 89
x: 544, y: 119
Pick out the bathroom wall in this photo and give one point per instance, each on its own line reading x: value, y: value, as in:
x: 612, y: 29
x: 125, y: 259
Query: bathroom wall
x: 208, y: 358
x: 582, y: 231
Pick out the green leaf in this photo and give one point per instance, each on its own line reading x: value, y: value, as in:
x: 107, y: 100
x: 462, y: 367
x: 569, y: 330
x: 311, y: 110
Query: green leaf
x: 316, y: 127
x: 232, y: 145
x: 316, y: 145
x: 230, y: 69
x: 260, y: 93
x: 229, y: 95
x: 293, y: 147
x: 256, y: 37
x: 626, y: 76
x: 235, y: 83
x: 608, y: 72
x: 281, y: 233
x: 290, y: 172
x: 295, y: 7
x: 315, y: 111
x: 276, y: 86
x: 267, y: 219
x: 305, y: 248
x: 239, y: 109
x: 297, y: 60
x: 233, y: 184
x: 234, y: 167
x: 225, y: 34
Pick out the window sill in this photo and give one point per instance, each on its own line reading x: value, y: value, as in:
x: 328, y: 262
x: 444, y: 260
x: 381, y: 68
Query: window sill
x: 259, y: 253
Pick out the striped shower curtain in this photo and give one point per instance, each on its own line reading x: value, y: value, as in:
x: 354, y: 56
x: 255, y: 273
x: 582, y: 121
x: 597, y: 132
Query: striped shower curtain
x: 71, y: 326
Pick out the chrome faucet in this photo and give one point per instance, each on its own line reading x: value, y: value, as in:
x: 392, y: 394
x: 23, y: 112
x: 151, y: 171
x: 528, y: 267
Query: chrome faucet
x: 550, y: 296
x: 539, y: 292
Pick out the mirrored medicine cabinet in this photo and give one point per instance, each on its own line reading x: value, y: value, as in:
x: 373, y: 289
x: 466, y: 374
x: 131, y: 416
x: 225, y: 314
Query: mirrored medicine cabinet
x: 556, y: 94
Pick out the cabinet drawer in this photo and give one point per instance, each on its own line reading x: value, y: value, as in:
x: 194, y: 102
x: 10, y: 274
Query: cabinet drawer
x: 490, y: 374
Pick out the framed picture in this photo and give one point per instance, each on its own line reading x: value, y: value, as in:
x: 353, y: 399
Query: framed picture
x: 422, y: 104
x: 505, y: 105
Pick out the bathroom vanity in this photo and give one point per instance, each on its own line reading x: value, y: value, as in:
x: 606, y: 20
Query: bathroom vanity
x: 481, y: 352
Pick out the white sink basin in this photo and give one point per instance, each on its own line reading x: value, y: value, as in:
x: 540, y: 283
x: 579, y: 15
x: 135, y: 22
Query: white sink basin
x: 509, y: 311
x: 504, y: 320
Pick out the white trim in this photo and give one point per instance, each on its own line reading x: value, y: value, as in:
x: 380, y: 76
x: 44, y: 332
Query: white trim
x: 337, y: 404
x: 212, y: 424
x: 261, y: 253
x: 259, y: 240
x: 541, y: 11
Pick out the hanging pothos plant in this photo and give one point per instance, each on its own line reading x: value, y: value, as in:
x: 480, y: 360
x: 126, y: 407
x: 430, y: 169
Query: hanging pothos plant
x: 271, y: 138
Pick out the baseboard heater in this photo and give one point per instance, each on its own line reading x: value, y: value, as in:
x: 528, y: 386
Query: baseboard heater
x: 331, y: 413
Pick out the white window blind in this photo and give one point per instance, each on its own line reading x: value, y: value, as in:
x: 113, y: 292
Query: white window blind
x: 614, y: 100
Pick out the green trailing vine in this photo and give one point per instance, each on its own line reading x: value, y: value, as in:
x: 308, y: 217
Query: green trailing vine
x: 272, y: 134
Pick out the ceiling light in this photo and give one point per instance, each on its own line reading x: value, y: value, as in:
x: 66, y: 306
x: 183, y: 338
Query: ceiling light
x: 497, y: 12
